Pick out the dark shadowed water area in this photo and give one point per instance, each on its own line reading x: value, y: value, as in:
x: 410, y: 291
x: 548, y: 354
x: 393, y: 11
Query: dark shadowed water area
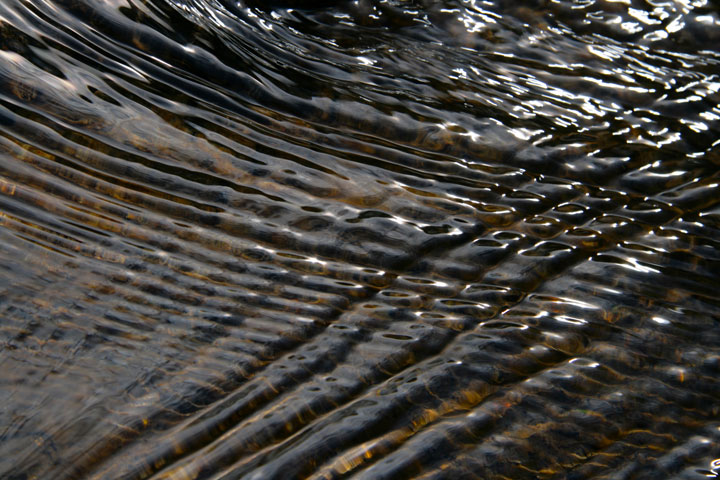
x: 372, y: 239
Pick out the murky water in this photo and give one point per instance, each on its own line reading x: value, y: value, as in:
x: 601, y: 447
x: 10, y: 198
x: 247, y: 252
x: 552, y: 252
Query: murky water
x: 378, y: 239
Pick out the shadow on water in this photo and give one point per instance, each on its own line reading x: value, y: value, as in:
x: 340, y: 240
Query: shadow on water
x: 377, y: 239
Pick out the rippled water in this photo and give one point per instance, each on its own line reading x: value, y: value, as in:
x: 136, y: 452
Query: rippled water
x: 378, y: 239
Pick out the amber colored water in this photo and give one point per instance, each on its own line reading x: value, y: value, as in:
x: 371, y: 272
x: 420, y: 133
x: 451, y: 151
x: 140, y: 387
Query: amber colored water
x: 372, y: 239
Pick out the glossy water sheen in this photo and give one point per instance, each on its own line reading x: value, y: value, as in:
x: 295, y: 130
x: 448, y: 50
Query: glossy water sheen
x: 375, y: 239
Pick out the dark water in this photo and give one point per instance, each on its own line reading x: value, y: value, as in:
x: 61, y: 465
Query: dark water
x: 374, y: 239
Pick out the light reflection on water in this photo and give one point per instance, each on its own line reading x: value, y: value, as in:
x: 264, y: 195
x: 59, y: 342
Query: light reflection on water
x: 379, y: 239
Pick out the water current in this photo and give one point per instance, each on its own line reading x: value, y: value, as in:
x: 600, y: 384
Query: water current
x: 378, y: 239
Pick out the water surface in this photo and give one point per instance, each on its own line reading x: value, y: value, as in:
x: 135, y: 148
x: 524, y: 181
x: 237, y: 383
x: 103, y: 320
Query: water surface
x: 379, y: 239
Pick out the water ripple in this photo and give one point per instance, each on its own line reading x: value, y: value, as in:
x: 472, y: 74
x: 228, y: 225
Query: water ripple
x: 370, y: 239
